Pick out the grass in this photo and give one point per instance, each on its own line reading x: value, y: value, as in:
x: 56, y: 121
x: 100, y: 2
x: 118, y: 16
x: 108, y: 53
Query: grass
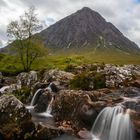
x: 61, y: 59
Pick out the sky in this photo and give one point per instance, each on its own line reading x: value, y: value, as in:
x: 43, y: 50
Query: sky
x: 124, y: 14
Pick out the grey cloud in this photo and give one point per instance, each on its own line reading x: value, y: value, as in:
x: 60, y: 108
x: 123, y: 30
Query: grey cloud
x: 0, y: 43
x: 2, y: 3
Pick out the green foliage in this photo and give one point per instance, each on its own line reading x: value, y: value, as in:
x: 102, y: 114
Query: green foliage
x: 67, y: 61
x: 88, y: 81
x: 26, y: 44
x: 99, y: 80
x: 23, y: 94
x: 70, y: 68
x: 93, y: 68
x: 81, y: 81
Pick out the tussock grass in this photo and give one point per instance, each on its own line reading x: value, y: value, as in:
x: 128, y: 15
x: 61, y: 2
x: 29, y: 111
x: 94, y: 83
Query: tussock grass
x: 61, y: 59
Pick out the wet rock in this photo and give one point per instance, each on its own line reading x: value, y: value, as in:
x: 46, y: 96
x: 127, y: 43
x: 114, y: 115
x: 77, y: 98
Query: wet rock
x: 135, y: 117
x: 133, y: 104
x: 12, y: 109
x: 48, y: 132
x: 10, y: 89
x: 131, y: 92
x: 84, y: 134
x: 59, y: 78
x: 43, y: 102
x: 52, y: 88
x: 135, y: 83
x: 1, y: 80
x: 111, y: 97
x: 76, y: 106
x: 4, y: 89
x: 13, y: 117
x: 37, y: 86
x: 9, y: 80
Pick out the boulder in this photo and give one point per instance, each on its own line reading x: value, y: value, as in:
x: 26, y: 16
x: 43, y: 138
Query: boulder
x: 42, y: 102
x: 135, y: 117
x: 38, y: 85
x: 15, y: 120
x: 58, y: 77
x: 76, y: 107
x: 135, y: 83
x: 27, y: 79
x: 48, y: 132
x: 10, y: 89
x: 131, y: 92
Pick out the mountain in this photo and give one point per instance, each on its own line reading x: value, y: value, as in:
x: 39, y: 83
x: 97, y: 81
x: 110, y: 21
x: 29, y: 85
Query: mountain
x: 86, y: 28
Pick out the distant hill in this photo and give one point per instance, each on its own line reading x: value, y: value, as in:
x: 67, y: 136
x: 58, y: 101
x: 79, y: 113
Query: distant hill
x: 87, y: 28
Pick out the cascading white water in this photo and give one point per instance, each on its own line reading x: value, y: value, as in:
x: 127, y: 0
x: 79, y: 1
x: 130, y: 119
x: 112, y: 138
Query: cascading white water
x: 35, y: 97
x: 49, y: 108
x: 113, y: 124
x: 121, y: 128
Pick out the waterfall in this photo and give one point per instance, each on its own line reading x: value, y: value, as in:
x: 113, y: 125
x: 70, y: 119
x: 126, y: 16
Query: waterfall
x: 3, y: 89
x: 49, y: 108
x: 121, y: 128
x: 36, y: 96
x: 48, y: 111
x: 113, y: 124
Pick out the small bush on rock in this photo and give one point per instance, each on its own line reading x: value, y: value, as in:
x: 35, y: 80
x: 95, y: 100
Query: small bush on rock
x: 70, y: 68
x: 99, y: 80
x: 23, y: 94
x: 88, y: 81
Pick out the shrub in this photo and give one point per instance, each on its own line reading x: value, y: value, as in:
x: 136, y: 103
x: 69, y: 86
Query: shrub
x: 99, y: 80
x: 23, y: 94
x: 88, y: 81
x: 70, y: 68
x: 81, y: 81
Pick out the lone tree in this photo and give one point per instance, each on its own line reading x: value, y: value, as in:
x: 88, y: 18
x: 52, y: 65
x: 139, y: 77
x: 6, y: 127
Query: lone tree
x: 25, y: 44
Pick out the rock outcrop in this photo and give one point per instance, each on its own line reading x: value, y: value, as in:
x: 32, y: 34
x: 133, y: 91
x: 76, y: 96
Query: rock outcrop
x: 76, y: 106
x: 60, y: 78
x: 27, y: 79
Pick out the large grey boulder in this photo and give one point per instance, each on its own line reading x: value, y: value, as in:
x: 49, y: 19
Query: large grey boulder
x: 58, y: 77
x: 27, y: 79
x: 15, y: 120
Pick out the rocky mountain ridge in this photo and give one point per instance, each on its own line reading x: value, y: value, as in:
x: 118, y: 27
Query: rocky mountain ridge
x: 86, y: 28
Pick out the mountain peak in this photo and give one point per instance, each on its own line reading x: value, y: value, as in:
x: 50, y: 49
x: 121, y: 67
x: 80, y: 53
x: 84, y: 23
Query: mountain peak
x: 86, y: 28
x: 86, y: 9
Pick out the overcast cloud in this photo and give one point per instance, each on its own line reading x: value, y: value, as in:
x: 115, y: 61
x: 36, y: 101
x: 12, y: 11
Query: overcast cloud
x: 124, y: 14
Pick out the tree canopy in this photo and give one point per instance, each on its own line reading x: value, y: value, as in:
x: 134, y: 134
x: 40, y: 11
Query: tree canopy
x: 26, y: 45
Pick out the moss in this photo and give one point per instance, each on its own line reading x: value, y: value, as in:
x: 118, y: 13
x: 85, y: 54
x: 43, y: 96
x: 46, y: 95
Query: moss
x: 88, y: 81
